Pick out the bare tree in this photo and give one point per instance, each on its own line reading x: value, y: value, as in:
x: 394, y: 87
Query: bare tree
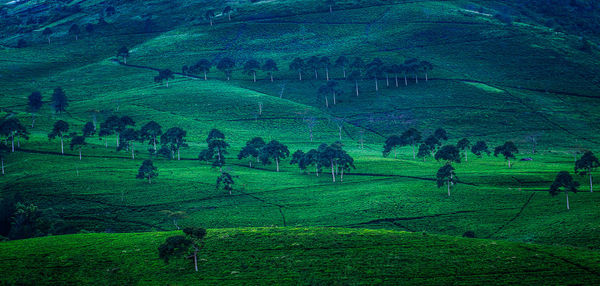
x: 310, y: 124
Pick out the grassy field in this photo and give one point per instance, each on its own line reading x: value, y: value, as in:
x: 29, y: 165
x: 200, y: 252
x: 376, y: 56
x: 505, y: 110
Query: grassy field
x: 296, y: 256
x: 491, y: 81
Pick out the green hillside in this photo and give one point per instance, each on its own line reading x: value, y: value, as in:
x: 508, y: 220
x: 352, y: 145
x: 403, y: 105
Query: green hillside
x: 502, y: 71
x: 305, y: 256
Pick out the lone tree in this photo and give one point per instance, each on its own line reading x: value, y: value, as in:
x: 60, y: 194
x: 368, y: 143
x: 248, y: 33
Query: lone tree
x: 88, y: 129
x: 150, y: 131
x: 226, y: 181
x: 391, y: 143
x: 59, y: 100
x: 34, y: 103
x: 411, y: 137
x: 123, y: 53
x: 298, y: 65
x: 12, y: 128
x: 507, y: 150
x: 226, y: 65
x: 60, y: 129
x: 446, y: 175
x: 448, y: 153
x: 165, y: 74
x: 464, y: 145
x: 252, y: 149
x: 273, y: 150
x: 563, y: 183
x: 183, y: 246
x: 479, y: 148
x: 585, y: 165
x: 210, y: 15
x: 175, y: 139
x: 250, y: 68
x: 227, y: 11
x: 128, y: 138
x: 47, y: 33
x: 147, y: 171
x: 270, y: 67
x: 342, y: 62
x: 203, y: 66
x: 75, y: 31
x: 78, y: 142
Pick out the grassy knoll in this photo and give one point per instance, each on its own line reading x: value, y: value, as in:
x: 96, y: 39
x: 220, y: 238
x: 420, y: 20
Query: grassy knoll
x: 292, y: 256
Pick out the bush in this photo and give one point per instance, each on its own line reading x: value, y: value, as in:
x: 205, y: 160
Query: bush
x: 469, y: 234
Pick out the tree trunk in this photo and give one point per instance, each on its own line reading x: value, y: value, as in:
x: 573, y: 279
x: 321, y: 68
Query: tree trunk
x: 426, y: 78
x: 229, y: 16
x: 154, y: 142
x: 277, y: 163
x: 327, y: 73
x: 334, y: 98
x: 448, y: 183
x: 316, y: 74
x: 340, y: 132
x: 250, y: 162
x: 356, y: 85
x: 330, y: 9
x: 149, y: 180
x: 167, y: 83
x: 387, y: 80
x: 396, y: 80
x: 300, y: 75
x: 509, y: 163
x: 211, y: 23
x: 196, y: 260
x: 124, y: 59
x: 405, y: 81
x: 62, y: 148
x: 332, y: 172
x: 118, y: 140
x: 342, y: 176
x: 132, y: 152
x: 395, y: 153
x: 413, y: 150
x: 2, y: 159
x: 32, y: 119
x: 317, y: 170
x: 12, y: 137
x: 416, y: 78
x: 567, y: 193
x: 79, y: 154
x: 344, y: 71
x: 271, y: 77
x: 254, y: 76
x: 205, y: 78
x: 376, y: 85
x: 326, y: 102
x: 591, y: 184
x: 178, y: 156
x: 466, y: 156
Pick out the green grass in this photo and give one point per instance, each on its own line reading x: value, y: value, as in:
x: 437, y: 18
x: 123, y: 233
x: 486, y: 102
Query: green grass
x: 292, y: 256
x: 491, y: 82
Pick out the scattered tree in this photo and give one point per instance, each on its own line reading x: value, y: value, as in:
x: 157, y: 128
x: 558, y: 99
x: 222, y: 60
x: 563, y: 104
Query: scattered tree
x: 210, y: 15
x: 508, y: 150
x: 273, y: 150
x: 217, y: 149
x: 123, y: 53
x: 374, y: 70
x: 150, y: 131
x: 12, y: 128
x: 128, y: 138
x: 75, y: 31
x: 585, y: 165
x: 147, y: 171
x: 343, y: 63
x: 226, y: 65
x: 391, y: 143
x: 464, y: 145
x: 60, y: 129
x: 479, y: 148
x: 298, y: 65
x: 47, y: 33
x: 270, y: 67
x: 441, y: 134
x: 78, y: 142
x: 355, y: 76
x: 165, y: 74
x: 563, y: 183
x: 59, y: 100
x: 446, y: 175
x: 252, y: 149
x: 203, y: 66
x: 314, y: 62
x: 325, y: 63
x: 34, y: 104
x: 226, y: 180
x: 175, y: 139
x: 88, y: 129
x: 424, y: 151
x: 358, y: 65
x: 411, y: 137
x: 250, y: 68
x: 426, y: 67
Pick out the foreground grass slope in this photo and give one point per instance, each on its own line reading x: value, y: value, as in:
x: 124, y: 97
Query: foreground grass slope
x: 295, y: 256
